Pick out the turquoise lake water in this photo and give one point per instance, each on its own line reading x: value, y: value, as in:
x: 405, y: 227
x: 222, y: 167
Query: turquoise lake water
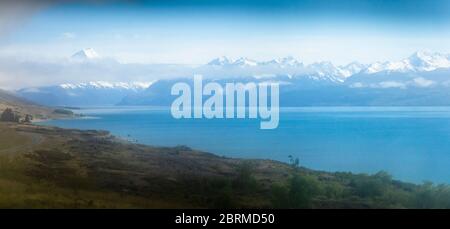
x: 411, y: 143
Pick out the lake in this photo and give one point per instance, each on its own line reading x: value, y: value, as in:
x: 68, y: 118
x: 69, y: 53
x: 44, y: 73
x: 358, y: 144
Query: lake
x: 411, y: 143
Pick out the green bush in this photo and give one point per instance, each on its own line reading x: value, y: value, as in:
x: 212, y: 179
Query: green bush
x: 245, y: 182
x: 371, y: 186
x: 63, y: 112
x: 299, y: 192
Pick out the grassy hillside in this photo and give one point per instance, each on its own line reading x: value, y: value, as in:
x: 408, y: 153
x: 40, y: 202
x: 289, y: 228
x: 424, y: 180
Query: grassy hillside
x: 45, y: 167
x: 24, y: 107
x: 48, y: 167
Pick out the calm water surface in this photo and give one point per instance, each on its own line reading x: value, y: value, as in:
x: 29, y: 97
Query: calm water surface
x: 411, y: 143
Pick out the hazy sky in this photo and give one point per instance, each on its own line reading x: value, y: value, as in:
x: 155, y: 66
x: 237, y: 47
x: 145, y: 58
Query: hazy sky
x: 195, y: 31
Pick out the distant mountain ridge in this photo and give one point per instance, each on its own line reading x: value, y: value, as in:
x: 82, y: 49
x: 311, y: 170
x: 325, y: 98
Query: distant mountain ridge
x: 108, y: 85
x: 85, y: 54
x: 420, y: 79
x: 94, y: 93
x: 419, y: 61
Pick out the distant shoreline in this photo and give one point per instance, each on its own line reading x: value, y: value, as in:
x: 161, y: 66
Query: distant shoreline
x: 319, y: 157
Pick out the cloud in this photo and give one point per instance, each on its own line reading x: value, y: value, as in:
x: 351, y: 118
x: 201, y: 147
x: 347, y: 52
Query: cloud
x: 19, y: 73
x: 417, y: 82
x: 16, y: 74
x: 391, y: 84
x: 422, y: 82
x: 357, y: 85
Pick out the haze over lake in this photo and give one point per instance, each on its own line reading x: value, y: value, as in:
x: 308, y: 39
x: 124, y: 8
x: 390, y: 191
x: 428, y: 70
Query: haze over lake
x: 411, y: 143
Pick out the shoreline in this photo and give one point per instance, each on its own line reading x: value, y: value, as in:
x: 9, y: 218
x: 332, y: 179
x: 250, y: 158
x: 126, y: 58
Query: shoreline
x: 124, y: 139
x: 132, y: 140
x: 129, y: 175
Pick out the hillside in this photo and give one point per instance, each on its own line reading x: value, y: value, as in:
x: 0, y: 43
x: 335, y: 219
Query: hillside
x: 47, y: 167
x: 24, y: 107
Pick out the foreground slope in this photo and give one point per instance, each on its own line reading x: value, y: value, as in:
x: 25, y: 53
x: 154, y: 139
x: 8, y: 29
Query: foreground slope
x: 24, y: 107
x: 47, y: 167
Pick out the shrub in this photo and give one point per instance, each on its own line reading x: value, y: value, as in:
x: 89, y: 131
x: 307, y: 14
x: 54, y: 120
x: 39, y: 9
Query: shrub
x: 299, y: 192
x: 245, y: 182
x: 9, y: 115
x: 63, y: 112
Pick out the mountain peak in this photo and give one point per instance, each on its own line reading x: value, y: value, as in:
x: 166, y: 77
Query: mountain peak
x: 419, y: 61
x: 285, y: 61
x: 223, y: 60
x: 352, y: 68
x: 245, y: 62
x: 85, y: 54
x: 423, y: 54
x: 429, y: 61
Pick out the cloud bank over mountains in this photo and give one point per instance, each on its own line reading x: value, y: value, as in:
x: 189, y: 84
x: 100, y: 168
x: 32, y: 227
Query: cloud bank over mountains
x: 87, y: 65
x: 420, y: 79
x: 83, y: 66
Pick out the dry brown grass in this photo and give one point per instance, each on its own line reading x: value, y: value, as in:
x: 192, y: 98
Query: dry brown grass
x: 45, y: 167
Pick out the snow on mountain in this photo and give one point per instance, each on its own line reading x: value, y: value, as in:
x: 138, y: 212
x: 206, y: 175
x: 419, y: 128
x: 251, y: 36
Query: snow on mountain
x: 326, y: 70
x: 244, y: 62
x: 316, y: 71
x: 420, y: 71
x: 225, y: 61
x: 351, y: 69
x: 108, y: 85
x: 400, y: 66
x: 427, y: 61
x: 221, y: 61
x: 422, y: 61
x: 93, y: 93
x: 85, y: 54
x: 288, y: 61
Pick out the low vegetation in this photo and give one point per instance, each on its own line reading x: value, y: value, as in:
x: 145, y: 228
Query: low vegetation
x: 63, y: 111
x: 45, y: 167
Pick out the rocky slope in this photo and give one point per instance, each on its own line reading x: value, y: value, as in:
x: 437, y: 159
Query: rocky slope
x: 22, y: 107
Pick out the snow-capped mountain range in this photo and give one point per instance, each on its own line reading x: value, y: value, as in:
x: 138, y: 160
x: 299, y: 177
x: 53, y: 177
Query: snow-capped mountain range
x: 421, y: 61
x: 404, y: 82
x: 107, y: 85
x: 95, y: 93
x: 418, y: 62
x: 246, y: 62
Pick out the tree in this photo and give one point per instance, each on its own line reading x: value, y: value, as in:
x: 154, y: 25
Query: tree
x: 9, y: 116
x: 28, y: 118
x: 295, y: 162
